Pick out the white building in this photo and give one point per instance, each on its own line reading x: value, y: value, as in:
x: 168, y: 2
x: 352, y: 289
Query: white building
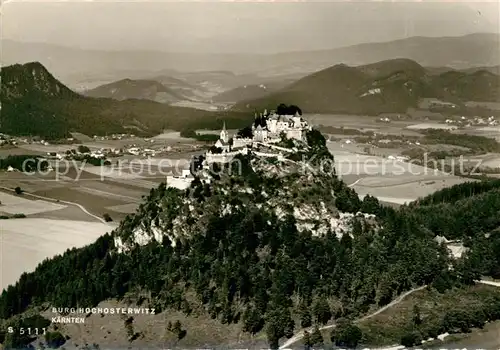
x: 182, y: 181
x: 226, y: 155
x: 293, y: 126
x: 260, y: 134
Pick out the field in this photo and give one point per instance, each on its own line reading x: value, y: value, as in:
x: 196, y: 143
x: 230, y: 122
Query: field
x: 14, y: 151
x: 423, y: 126
x: 198, y: 105
x: 391, y: 181
x: 115, y: 190
x: 171, y: 135
x: 372, y: 169
x: 490, y: 105
x: 34, y: 239
x: 11, y: 204
x: 362, y: 123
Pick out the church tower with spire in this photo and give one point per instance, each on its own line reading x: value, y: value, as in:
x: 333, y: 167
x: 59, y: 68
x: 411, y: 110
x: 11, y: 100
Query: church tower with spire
x: 224, y: 136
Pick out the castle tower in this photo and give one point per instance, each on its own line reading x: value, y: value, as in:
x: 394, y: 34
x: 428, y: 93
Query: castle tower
x: 224, y: 136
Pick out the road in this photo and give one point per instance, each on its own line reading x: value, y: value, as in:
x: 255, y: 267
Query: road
x: 299, y: 335
x: 491, y: 283
x: 354, y: 183
x: 60, y: 201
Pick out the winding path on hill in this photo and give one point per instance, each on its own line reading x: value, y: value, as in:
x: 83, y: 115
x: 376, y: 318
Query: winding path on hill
x: 299, y: 335
x: 355, y: 183
x: 60, y: 201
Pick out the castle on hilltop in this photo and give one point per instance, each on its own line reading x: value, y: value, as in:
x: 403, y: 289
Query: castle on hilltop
x: 260, y: 139
x: 267, y: 129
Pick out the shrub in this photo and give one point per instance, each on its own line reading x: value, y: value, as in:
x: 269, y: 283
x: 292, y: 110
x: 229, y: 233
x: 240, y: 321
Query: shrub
x: 54, y: 339
x: 19, y: 216
x: 316, y: 338
x: 346, y: 334
x: 18, y: 190
x: 411, y: 339
x: 83, y: 149
x: 107, y: 217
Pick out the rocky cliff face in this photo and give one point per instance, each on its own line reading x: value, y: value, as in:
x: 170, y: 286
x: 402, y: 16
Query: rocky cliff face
x: 302, y: 189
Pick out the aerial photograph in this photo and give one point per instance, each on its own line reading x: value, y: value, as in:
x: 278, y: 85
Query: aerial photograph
x: 249, y: 174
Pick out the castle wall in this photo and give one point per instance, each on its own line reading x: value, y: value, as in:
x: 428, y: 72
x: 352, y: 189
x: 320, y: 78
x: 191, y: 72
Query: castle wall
x: 294, y: 134
x: 237, y: 142
x: 225, y: 157
x: 269, y: 155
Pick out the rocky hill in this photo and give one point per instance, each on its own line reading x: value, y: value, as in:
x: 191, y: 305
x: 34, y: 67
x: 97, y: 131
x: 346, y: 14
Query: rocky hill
x: 387, y: 86
x: 36, y: 103
x: 136, y: 89
x: 481, y: 85
x: 32, y: 81
x: 264, y: 248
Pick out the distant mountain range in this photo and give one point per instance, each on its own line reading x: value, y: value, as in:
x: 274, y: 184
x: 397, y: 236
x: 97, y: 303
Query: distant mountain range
x: 386, y: 86
x: 215, y: 86
x: 136, y: 89
x: 439, y: 70
x: 468, y: 51
x: 34, y: 102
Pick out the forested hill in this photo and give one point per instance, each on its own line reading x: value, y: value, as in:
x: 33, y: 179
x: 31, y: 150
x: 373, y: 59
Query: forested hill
x: 387, y: 86
x: 270, y: 249
x: 35, y: 103
x: 136, y: 89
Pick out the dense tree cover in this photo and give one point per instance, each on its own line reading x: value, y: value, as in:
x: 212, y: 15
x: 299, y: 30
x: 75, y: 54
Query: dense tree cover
x: 316, y: 338
x: 346, y: 334
x: 248, y: 266
x: 283, y: 109
x: 191, y: 133
x: 477, y: 144
x: 23, y: 162
x: 468, y: 217
x: 260, y: 120
x: 35, y: 103
x: 241, y: 259
x: 411, y: 339
x: 55, y: 118
x: 88, y: 159
x: 83, y: 149
x: 458, y: 192
x: 341, y: 89
x: 245, y: 132
x: 458, y: 319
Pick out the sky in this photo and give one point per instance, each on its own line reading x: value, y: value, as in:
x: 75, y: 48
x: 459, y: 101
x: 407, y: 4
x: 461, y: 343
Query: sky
x: 238, y: 27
